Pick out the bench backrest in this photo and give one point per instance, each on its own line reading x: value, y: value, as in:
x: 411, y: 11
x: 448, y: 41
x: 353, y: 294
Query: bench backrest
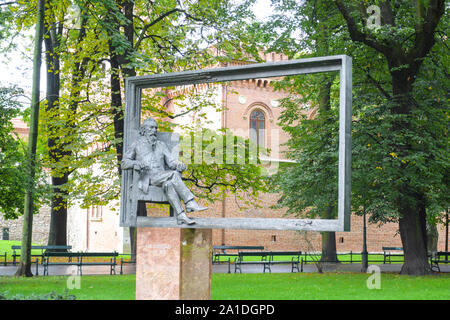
x: 98, y: 254
x: 443, y: 254
x: 254, y: 254
x: 61, y: 254
x: 238, y: 248
x: 392, y: 248
x: 286, y: 253
x: 44, y: 247
x: 81, y: 254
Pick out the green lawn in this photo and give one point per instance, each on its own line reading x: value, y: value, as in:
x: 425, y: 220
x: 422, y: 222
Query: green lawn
x: 288, y: 286
x: 5, y: 246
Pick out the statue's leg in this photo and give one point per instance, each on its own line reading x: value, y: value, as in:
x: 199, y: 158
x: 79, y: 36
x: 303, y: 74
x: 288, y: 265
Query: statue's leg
x: 183, y: 192
x: 172, y: 196
x: 175, y: 203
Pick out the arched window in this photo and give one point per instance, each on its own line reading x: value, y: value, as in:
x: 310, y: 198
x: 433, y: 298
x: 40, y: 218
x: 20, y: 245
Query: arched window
x: 257, y: 127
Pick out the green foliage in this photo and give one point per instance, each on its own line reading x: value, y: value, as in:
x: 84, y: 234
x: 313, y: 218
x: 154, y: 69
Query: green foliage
x: 310, y: 185
x: 400, y: 150
x: 12, y: 159
x: 84, y: 123
x: 220, y: 163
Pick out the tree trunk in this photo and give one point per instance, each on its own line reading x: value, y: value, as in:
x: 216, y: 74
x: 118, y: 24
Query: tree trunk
x: 58, y: 220
x: 27, y: 231
x: 328, y: 238
x: 432, y: 238
x: 412, y: 224
x: 329, y: 253
x: 120, y: 62
x: 329, y: 247
x: 58, y: 212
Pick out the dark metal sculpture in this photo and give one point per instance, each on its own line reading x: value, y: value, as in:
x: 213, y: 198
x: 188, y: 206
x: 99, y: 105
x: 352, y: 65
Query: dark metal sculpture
x: 154, y: 165
x: 134, y: 87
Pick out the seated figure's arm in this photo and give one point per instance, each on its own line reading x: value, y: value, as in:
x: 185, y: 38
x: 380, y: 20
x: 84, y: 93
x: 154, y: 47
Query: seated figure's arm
x: 171, y: 162
x: 128, y: 160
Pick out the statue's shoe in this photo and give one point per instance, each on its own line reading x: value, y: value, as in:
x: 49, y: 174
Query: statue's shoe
x: 183, y: 218
x: 194, y: 206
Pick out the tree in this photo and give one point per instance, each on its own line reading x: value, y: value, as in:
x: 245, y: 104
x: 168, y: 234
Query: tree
x: 24, y: 268
x: 399, y: 132
x: 404, y: 41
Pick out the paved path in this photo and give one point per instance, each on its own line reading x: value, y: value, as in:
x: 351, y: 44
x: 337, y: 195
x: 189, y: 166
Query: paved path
x: 217, y: 268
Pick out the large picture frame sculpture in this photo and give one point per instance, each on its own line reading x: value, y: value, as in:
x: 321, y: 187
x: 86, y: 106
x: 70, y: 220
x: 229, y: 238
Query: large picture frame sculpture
x: 341, y: 63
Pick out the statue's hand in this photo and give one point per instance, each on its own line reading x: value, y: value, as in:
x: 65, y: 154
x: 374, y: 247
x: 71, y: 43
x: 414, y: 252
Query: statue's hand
x: 181, y: 167
x: 141, y: 166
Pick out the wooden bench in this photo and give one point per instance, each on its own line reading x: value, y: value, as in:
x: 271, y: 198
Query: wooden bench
x: 221, y: 251
x: 387, y: 253
x: 15, y: 255
x: 240, y: 260
x: 76, y: 259
x: 438, y: 258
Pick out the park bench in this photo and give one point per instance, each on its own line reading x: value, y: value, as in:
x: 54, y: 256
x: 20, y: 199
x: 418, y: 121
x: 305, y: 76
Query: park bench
x: 388, y: 253
x: 4, y: 256
x: 221, y: 251
x: 122, y: 262
x: 437, y: 258
x: 294, y: 261
x: 240, y: 260
x: 76, y: 259
x: 15, y: 255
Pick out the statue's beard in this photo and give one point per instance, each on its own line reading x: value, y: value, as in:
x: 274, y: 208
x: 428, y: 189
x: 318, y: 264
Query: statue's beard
x: 151, y: 139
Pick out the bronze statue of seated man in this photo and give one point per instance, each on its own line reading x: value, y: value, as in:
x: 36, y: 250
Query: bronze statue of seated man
x: 156, y: 167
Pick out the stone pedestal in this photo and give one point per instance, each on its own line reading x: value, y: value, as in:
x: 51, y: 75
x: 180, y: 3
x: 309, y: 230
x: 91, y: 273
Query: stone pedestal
x: 173, y: 264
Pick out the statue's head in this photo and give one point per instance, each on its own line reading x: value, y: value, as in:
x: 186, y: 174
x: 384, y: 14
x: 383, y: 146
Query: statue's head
x: 148, y: 127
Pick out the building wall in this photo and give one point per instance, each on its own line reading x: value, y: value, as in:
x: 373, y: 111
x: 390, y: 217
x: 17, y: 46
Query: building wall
x: 41, y: 225
x: 95, y: 229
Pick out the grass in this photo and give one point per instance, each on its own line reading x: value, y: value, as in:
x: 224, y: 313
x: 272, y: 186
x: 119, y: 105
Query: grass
x: 91, y: 287
x: 5, y: 246
x: 286, y: 286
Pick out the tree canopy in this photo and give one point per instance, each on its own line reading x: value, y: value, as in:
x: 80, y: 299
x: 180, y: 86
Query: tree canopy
x: 400, y: 109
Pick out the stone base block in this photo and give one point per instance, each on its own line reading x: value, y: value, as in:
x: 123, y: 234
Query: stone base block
x: 173, y: 264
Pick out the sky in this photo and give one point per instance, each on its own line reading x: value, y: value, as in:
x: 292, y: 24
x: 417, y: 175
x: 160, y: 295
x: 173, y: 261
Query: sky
x: 16, y: 68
